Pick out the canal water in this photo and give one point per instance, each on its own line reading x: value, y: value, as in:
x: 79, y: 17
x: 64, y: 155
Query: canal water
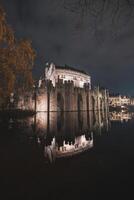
x: 67, y: 155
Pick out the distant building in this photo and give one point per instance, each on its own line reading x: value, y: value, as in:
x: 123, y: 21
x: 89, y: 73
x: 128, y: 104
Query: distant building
x: 119, y: 101
x: 125, y: 101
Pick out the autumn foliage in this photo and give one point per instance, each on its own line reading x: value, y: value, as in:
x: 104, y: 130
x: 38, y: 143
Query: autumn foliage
x: 16, y: 62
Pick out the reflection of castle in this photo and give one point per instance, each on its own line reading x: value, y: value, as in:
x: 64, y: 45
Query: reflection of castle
x: 80, y: 144
x: 120, y: 116
x: 64, y: 89
x: 65, y: 134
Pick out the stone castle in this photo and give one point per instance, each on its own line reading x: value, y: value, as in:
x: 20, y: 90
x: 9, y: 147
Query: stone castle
x: 64, y: 89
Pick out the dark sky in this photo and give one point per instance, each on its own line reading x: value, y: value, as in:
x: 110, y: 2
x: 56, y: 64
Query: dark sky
x: 99, y: 40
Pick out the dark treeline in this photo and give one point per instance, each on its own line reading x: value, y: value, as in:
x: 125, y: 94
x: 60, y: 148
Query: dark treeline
x: 16, y: 62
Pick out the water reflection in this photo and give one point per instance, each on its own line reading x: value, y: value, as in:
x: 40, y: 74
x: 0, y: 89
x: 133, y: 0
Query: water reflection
x: 62, y: 134
x: 122, y: 116
x: 68, y: 148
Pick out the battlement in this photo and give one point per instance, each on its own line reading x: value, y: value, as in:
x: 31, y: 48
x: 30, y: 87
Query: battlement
x: 67, y: 74
x: 65, y: 90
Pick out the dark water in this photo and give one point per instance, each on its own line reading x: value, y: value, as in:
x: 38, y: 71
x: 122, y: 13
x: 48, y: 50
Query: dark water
x: 67, y: 155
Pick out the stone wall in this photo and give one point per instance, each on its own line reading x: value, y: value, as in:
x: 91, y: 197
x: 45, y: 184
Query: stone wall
x: 63, y: 97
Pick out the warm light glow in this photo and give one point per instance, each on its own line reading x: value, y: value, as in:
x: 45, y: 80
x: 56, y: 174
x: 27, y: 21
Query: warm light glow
x: 42, y: 103
x: 78, y: 78
x: 120, y: 116
x: 81, y: 144
x: 41, y: 123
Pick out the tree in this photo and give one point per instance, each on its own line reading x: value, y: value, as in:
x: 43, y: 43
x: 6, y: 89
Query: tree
x: 16, y: 62
x: 6, y: 32
x: 24, y: 62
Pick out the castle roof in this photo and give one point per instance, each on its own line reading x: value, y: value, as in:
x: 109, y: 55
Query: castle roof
x: 66, y: 67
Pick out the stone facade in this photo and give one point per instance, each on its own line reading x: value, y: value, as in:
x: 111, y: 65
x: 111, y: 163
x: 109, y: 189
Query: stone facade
x: 66, y: 73
x: 58, y: 94
x: 63, y: 97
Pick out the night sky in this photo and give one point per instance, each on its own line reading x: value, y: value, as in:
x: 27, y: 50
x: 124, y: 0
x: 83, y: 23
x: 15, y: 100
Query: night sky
x: 99, y: 40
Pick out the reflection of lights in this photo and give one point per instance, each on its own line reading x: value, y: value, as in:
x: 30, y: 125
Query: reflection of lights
x: 49, y: 151
x: 80, y: 145
x: 41, y: 122
x: 38, y: 140
x: 120, y: 116
x: 41, y: 106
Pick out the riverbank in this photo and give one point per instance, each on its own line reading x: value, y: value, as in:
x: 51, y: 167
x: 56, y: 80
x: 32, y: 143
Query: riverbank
x: 16, y: 113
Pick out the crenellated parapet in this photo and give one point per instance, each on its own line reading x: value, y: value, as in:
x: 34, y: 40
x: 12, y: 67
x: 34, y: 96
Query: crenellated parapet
x: 64, y: 95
